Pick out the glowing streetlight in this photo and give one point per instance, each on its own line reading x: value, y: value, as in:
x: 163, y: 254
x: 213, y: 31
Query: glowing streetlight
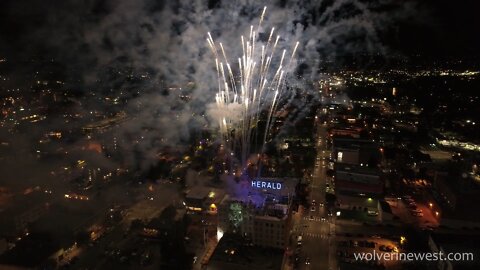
x: 403, y: 239
x: 219, y: 234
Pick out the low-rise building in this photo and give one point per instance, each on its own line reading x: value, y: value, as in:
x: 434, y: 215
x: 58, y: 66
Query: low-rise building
x: 455, y: 198
x: 234, y: 253
x: 355, y: 152
x: 203, y: 199
x: 358, y: 181
x: 22, y: 210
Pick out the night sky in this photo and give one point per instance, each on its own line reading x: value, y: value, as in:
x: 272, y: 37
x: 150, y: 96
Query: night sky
x: 449, y: 28
x: 432, y: 28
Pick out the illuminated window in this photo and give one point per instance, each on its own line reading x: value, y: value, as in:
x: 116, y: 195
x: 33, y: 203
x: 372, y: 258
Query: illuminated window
x: 339, y: 156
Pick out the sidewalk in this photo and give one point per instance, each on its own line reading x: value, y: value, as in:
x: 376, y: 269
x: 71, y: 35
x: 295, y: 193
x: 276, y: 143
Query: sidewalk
x: 296, y: 218
x: 205, y: 256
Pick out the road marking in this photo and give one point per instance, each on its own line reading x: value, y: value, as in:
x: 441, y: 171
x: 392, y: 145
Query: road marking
x: 318, y: 219
x: 316, y: 235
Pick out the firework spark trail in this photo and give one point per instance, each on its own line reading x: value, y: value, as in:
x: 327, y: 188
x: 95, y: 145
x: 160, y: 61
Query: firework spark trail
x: 260, y: 81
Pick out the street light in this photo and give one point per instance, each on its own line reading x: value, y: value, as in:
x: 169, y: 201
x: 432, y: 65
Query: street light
x: 431, y: 205
x: 403, y: 239
x: 219, y: 234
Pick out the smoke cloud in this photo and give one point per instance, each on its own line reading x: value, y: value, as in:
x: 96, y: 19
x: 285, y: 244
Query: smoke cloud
x: 162, y: 45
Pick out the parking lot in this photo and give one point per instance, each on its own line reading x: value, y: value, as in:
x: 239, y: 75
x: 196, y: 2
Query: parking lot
x: 349, y: 244
x: 413, y: 211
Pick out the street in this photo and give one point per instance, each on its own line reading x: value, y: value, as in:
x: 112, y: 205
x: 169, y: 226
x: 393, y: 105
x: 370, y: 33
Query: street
x: 317, y: 228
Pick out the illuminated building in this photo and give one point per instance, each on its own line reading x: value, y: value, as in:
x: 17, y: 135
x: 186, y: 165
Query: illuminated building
x: 203, y: 199
x: 358, y: 188
x: 354, y: 180
x: 355, y: 151
x: 262, y: 214
x: 346, y: 131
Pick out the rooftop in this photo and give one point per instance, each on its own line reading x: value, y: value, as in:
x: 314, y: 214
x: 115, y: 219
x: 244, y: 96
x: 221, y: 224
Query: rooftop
x: 341, y: 167
x: 31, y: 251
x: 234, y: 253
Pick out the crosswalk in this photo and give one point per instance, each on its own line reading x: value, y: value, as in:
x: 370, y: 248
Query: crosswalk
x: 314, y: 219
x: 323, y: 235
x: 316, y: 235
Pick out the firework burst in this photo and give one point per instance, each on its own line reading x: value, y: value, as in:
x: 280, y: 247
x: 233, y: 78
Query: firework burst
x: 255, y: 87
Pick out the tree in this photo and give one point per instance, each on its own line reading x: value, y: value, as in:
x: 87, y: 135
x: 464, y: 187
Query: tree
x: 235, y: 215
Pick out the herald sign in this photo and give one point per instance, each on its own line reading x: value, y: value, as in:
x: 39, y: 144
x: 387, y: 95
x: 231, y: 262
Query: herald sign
x: 266, y: 184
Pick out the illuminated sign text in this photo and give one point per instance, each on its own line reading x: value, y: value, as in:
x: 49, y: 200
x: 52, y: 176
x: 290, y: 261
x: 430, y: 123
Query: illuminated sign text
x: 266, y: 184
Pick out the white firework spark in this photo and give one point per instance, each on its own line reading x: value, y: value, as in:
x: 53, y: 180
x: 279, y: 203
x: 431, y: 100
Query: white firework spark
x: 257, y: 87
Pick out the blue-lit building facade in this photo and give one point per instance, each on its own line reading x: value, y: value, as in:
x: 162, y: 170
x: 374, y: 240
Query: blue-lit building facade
x: 260, y: 210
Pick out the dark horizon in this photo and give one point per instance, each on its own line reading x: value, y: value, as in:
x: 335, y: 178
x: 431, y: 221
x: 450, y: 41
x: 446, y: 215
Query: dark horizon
x: 430, y: 28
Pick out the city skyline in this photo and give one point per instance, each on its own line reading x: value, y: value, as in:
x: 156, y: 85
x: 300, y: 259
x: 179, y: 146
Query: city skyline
x: 239, y: 134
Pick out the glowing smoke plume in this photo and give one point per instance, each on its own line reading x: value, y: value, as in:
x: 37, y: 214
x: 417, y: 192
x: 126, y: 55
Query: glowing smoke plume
x: 258, y: 86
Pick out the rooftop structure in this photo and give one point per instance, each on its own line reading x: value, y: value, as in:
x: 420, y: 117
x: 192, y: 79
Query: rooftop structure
x: 202, y: 198
x: 234, y: 253
x: 358, y: 180
x: 355, y: 151
x: 263, y: 214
